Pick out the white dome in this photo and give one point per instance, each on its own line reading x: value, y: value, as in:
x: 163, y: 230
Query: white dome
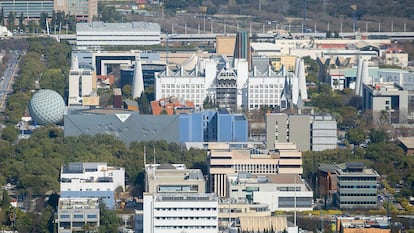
x: 46, y: 107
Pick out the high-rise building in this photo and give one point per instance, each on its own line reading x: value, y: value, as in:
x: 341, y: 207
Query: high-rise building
x: 308, y: 132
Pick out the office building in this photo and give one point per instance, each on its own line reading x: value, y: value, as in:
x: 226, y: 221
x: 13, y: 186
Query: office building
x: 83, y: 10
x: 31, y: 9
x: 75, y: 214
x: 327, y: 180
x: 308, y: 132
x: 176, y: 213
x: 173, y: 178
x: 82, y: 85
x: 223, y: 160
x: 283, y: 192
x: 87, y: 180
x: 117, y: 34
x: 356, y: 187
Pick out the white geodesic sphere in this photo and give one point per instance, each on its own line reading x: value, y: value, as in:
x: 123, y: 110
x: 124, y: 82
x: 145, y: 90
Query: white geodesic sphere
x: 46, y: 107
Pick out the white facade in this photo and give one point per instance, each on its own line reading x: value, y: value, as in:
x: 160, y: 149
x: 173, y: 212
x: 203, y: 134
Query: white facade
x: 230, y: 87
x: 113, y: 34
x: 81, y: 84
x: 324, y: 135
x: 91, y: 177
x: 177, y: 213
x: 278, y: 191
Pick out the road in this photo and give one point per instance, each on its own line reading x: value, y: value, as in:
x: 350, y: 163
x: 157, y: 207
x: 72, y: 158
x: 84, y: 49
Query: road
x: 7, y: 78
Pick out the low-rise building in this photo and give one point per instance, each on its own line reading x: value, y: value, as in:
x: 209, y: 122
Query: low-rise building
x: 285, y: 192
x: 357, y: 186
x: 78, y: 214
x: 173, y: 178
x: 88, y: 180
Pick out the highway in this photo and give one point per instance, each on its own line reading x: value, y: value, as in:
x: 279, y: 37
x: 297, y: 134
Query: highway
x: 7, y: 78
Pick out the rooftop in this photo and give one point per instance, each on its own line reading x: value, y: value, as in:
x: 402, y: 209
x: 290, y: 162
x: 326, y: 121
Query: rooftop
x: 407, y: 141
x: 111, y: 27
x: 354, y: 168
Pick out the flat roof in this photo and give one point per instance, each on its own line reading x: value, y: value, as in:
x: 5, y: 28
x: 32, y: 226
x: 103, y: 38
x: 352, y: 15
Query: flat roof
x: 111, y: 27
x: 407, y: 141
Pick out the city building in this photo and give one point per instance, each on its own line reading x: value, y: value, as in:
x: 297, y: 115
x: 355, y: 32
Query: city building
x: 223, y: 161
x: 179, y: 212
x: 171, y: 106
x: 229, y: 84
x: 327, y: 180
x: 363, y: 224
x: 308, y: 132
x: 388, y: 102
x: 83, y: 10
x: 129, y: 126
x: 116, y: 34
x: 407, y: 144
x: 78, y: 214
x: 281, y: 192
x: 31, y: 9
x: 173, y: 178
x: 82, y: 84
x: 88, y: 180
x: 356, y: 186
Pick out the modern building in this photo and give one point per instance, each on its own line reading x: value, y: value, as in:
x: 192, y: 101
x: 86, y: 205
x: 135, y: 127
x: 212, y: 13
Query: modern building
x: 76, y: 214
x: 223, y: 161
x: 129, y: 126
x: 388, y: 102
x: 228, y: 83
x: 31, y: 9
x: 173, y: 178
x: 327, y: 180
x: 82, y: 84
x: 117, y: 34
x: 84, y: 10
x: 179, y: 212
x: 363, y: 224
x: 308, y: 132
x: 356, y: 187
x: 281, y: 192
x: 88, y: 180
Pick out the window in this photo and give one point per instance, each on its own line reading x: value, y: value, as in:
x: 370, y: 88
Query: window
x: 77, y: 216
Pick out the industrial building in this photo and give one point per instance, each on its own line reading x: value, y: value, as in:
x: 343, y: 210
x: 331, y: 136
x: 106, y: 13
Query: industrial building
x: 88, y: 180
x: 117, y: 34
x: 308, y: 132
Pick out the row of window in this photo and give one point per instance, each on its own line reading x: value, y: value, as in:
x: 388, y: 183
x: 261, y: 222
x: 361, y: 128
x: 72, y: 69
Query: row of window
x: 166, y: 90
x: 265, y: 86
x: 182, y: 86
x: 358, y: 203
x: 350, y: 178
x: 358, y: 194
x: 185, y: 209
x: 78, y: 216
x: 357, y: 186
x: 185, y: 227
x: 186, y: 218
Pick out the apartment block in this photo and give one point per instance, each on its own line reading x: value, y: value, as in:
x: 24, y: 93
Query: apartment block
x: 75, y: 214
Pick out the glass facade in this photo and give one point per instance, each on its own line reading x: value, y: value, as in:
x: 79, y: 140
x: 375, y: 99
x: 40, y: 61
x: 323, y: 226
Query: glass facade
x: 30, y: 9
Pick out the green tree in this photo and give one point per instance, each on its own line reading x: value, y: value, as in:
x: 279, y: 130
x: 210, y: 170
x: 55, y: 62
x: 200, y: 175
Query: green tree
x: 9, y: 133
x: 355, y: 136
x: 5, y: 201
x: 377, y: 136
x: 109, y: 221
x: 110, y: 15
x: 2, y: 16
x: 143, y: 103
x: 21, y: 18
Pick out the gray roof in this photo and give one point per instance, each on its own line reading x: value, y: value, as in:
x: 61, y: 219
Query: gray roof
x: 111, y: 27
x: 125, y: 126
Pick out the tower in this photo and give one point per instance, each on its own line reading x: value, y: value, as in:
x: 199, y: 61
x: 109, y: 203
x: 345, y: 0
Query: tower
x: 138, y: 81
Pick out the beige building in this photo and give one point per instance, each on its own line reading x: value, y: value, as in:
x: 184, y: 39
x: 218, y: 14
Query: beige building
x: 82, y: 9
x: 225, y: 45
x: 223, y: 160
x: 399, y: 59
x: 173, y: 178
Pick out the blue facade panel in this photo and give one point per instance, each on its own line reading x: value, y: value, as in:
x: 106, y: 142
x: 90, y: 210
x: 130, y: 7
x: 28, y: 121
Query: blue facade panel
x: 225, y: 128
x: 210, y: 126
x: 107, y: 197
x: 241, y: 129
x: 191, y: 127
